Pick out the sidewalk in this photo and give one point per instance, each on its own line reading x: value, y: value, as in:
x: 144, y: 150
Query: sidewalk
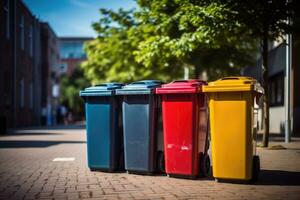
x: 27, y: 171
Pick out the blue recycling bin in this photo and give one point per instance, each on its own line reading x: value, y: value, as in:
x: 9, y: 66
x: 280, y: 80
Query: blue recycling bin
x: 143, y: 138
x: 104, y: 127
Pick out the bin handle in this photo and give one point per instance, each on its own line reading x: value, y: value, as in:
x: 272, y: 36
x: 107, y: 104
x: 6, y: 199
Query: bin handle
x: 107, y: 84
x: 138, y: 83
x: 102, y: 84
x: 179, y: 81
x: 146, y: 82
x: 230, y: 78
x: 235, y: 78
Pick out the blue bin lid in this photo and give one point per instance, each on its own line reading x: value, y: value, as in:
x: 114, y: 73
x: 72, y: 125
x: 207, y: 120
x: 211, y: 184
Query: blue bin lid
x: 140, y: 87
x: 103, y: 89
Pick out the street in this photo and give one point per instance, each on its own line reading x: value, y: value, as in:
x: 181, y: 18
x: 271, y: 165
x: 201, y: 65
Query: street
x: 43, y: 163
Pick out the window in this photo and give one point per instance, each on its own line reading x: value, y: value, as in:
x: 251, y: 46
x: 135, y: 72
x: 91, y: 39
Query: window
x: 30, y: 40
x: 30, y: 95
x: 72, y: 49
x: 276, y: 84
x: 21, y: 102
x: 22, y: 31
x: 7, y: 88
x: 6, y: 10
x: 63, y: 67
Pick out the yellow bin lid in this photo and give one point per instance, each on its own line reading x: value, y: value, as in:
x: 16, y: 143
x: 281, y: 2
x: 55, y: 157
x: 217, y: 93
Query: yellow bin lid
x: 234, y: 84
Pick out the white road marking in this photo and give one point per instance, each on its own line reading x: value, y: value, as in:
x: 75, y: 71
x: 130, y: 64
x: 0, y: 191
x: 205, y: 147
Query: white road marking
x: 63, y: 159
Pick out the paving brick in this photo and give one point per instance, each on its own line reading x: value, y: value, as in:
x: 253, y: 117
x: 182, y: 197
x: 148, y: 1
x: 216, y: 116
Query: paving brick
x: 73, y: 195
x: 85, y: 194
x: 29, y: 173
x: 97, y: 194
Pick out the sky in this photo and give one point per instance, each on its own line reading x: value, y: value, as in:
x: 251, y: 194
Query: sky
x: 73, y: 17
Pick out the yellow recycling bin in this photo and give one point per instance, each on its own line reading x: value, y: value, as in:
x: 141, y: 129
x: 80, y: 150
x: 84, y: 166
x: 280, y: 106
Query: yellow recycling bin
x: 231, y: 105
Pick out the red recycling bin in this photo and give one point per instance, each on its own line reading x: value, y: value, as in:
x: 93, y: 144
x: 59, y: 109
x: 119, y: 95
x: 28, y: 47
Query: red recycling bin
x: 185, y: 125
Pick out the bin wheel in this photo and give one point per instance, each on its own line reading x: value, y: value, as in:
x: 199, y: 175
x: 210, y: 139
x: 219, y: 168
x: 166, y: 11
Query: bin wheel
x: 205, y: 165
x: 161, y: 162
x: 93, y: 169
x: 255, y: 168
x: 121, y: 161
x: 208, y: 145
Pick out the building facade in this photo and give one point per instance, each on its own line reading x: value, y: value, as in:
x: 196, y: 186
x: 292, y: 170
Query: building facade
x: 19, y: 65
x: 277, y: 80
x: 72, y: 53
x: 7, y: 42
x: 27, y: 54
x: 50, y: 73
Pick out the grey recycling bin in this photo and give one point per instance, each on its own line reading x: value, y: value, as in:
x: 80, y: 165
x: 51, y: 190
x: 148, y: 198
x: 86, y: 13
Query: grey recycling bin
x: 143, y: 138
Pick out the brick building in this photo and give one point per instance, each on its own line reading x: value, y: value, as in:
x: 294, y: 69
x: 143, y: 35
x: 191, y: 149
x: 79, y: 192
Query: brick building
x: 50, y: 71
x: 7, y: 63
x: 23, y: 64
x: 72, y: 53
x: 19, y: 64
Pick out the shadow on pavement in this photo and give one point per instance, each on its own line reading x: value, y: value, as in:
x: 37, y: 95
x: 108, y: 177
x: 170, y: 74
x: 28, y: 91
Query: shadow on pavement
x: 65, y: 127
x: 278, y: 177
x: 23, y: 133
x: 45, y: 128
x: 33, y: 144
x: 275, y: 137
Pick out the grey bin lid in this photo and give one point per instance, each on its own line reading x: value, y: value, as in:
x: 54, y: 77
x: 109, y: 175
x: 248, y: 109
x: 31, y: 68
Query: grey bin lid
x: 140, y: 87
x: 103, y: 89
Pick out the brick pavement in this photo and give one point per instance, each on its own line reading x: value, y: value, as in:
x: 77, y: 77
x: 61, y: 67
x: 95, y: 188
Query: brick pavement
x: 27, y: 171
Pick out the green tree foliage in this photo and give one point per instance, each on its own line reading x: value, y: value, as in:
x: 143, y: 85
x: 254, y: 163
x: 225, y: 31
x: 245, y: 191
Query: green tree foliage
x: 69, y: 89
x: 160, y: 37
x: 111, y: 57
x: 199, y: 33
x: 217, y: 36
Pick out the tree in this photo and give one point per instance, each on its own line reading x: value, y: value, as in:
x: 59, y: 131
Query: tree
x: 201, y: 34
x: 213, y: 35
x: 160, y: 37
x: 110, y: 56
x: 267, y: 20
x: 70, y: 87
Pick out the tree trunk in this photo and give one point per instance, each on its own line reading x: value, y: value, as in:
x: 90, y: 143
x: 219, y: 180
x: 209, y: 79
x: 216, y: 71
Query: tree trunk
x: 197, y: 72
x: 265, y: 68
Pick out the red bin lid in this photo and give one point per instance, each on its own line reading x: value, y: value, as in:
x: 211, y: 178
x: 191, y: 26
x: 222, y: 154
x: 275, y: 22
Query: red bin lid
x: 182, y: 86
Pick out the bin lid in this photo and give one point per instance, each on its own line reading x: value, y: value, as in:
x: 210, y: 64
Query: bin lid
x: 234, y: 83
x: 182, y: 86
x: 103, y: 89
x: 140, y: 87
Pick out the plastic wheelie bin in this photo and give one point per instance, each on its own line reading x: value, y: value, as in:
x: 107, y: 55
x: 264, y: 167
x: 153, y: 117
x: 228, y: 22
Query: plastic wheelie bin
x: 104, y: 127
x: 142, y: 138
x: 231, y: 105
x: 185, y: 125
